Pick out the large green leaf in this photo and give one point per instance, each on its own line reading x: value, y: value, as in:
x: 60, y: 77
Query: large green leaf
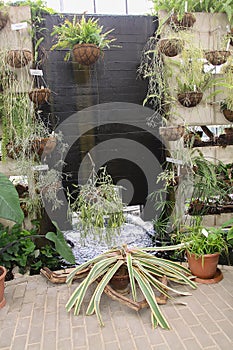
x: 9, y: 201
x: 61, y: 245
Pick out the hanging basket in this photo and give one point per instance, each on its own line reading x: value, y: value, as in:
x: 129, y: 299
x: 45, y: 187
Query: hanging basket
x: 39, y: 96
x: 86, y: 54
x: 170, y: 47
x: 172, y: 133
x: 190, y: 99
x: 216, y: 58
x: 187, y: 21
x: 3, y: 19
x: 228, y: 114
x: 19, y: 58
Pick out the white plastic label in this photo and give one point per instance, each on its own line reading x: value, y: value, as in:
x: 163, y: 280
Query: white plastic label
x: 173, y: 160
x: 18, y: 26
x: 38, y: 72
x: 40, y: 167
x: 205, y: 232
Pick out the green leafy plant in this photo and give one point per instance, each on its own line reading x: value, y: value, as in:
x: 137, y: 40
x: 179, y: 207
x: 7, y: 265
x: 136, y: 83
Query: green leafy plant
x: 18, y: 247
x: 200, y: 240
x: 83, y: 31
x: 142, y: 267
x: 209, y: 6
x: 9, y: 201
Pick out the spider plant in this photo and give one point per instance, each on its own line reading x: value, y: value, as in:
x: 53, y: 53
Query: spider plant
x: 143, y: 268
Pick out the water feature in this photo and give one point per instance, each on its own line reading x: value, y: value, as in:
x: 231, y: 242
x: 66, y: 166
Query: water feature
x: 135, y: 233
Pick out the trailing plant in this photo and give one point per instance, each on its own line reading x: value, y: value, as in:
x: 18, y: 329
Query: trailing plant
x: 143, y: 268
x: 81, y: 31
x: 99, y: 207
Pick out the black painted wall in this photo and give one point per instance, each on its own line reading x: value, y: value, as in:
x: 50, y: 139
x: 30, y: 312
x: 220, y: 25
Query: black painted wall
x: 112, y: 80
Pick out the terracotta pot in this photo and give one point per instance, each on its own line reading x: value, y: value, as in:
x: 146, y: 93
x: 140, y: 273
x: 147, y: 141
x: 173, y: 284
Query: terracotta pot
x: 172, y: 133
x: 120, y: 281
x: 204, y: 267
x: 3, y: 19
x: 39, y: 96
x: 190, y: 99
x: 187, y: 21
x: 86, y: 54
x: 170, y: 47
x: 2, y: 286
x: 228, y: 114
x: 216, y: 58
x: 19, y: 58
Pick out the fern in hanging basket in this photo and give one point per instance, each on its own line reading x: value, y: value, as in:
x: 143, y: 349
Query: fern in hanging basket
x: 86, y: 35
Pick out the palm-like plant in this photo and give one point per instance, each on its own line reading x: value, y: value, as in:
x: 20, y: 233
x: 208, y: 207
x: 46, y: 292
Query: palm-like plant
x: 143, y: 268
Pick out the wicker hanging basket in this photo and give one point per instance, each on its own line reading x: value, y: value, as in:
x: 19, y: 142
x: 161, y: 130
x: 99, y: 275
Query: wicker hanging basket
x: 86, y: 54
x: 190, y: 99
x: 172, y: 133
x: 19, y: 58
x: 3, y: 19
x: 228, y: 114
x: 187, y: 21
x: 39, y: 96
x: 170, y: 47
x: 216, y: 58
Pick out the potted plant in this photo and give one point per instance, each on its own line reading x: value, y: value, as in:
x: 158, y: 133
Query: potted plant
x: 144, y: 270
x: 39, y: 95
x: 172, y: 133
x: 203, y: 247
x: 19, y: 58
x: 192, y: 80
x: 98, y: 206
x: 85, y: 37
x: 180, y: 16
x: 170, y: 46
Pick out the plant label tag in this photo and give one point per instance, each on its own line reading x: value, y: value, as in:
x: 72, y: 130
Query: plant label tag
x: 173, y: 160
x: 37, y: 72
x: 205, y: 232
x: 18, y: 26
x: 40, y: 167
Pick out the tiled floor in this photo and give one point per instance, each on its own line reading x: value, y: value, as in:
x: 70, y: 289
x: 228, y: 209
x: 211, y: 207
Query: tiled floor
x: 35, y: 318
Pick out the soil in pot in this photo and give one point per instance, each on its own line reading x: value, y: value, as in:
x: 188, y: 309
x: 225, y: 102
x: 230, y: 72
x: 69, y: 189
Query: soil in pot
x: 204, y: 267
x: 86, y: 54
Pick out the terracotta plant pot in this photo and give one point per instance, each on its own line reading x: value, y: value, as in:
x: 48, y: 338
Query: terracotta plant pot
x: 3, y: 19
x: 187, y: 21
x: 190, y: 99
x: 2, y: 286
x: 172, y: 133
x: 86, y: 54
x: 203, y: 267
x: 120, y: 281
x: 170, y: 47
x: 19, y: 58
x: 39, y: 96
x: 228, y: 114
x: 216, y: 58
